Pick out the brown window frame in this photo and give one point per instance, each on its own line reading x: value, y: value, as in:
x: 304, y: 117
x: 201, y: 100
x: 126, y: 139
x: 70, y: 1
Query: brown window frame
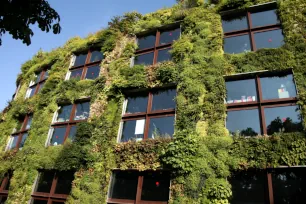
x: 87, y: 64
x: 38, y: 84
x: 21, y: 132
x: 3, y: 185
x: 260, y: 104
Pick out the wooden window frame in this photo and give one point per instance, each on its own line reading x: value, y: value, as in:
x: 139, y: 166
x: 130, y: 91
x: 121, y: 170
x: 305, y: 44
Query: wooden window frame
x: 260, y: 104
x: 3, y: 185
x: 38, y: 84
x: 85, y: 66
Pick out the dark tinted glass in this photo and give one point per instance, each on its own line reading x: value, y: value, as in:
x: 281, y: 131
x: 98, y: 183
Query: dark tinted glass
x: 41, y: 85
x: 8, y: 184
x: 40, y: 202
x: 96, y: 56
x: 80, y: 60
x: 33, y: 91
x: 167, y: 37
x: 289, y: 186
x: 58, y: 202
x: 161, y: 127
x: 230, y: 23
x: 76, y: 74
x: 137, y: 104
x: 264, y: 18
x: 283, y: 119
x: 64, y: 182
x: 44, y: 182
x: 14, y: 142
x: 164, y: 55
x: 124, y: 185
x: 146, y: 42
x: 237, y: 44
x: 82, y: 111
x: 133, y: 130
x: 24, y: 137
x: 58, y: 136
x: 38, y: 76
x: 29, y: 122
x: 164, y: 99
x: 92, y: 72
x: 145, y: 59
x: 3, y: 199
x: 72, y: 132
x: 278, y: 87
x: 64, y: 113
x: 269, y: 39
x: 241, y: 91
x: 155, y: 186
x: 244, y: 122
x: 248, y: 187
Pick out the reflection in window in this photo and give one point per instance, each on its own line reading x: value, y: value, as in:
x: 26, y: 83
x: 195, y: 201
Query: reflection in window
x: 29, y: 122
x: 24, y: 137
x: 82, y: 111
x: 264, y: 18
x: 38, y: 76
x: 164, y: 99
x: 230, y: 23
x: 269, y: 39
x: 33, y: 89
x: 146, y: 42
x: 124, y: 185
x: 241, y: 91
x: 58, y: 136
x: 164, y: 55
x: 137, y: 104
x: 96, y: 56
x: 133, y: 130
x: 92, y: 72
x: 237, y: 44
x: 40, y: 86
x: 64, y: 113
x: 80, y: 60
x: 144, y: 59
x: 161, y: 127
x: 14, y: 142
x: 167, y: 37
x: 72, y: 132
x: 76, y: 74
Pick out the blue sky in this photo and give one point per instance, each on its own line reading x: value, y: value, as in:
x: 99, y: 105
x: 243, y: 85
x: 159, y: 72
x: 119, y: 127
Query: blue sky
x: 78, y: 18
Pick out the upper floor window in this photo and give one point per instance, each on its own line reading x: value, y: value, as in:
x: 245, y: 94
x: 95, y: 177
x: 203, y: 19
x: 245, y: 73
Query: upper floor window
x: 52, y: 187
x: 148, y: 115
x: 139, y: 187
x: 85, y: 66
x: 65, y: 121
x: 262, y: 103
x: 37, y: 84
x: 4, y: 188
x: 254, y: 29
x: 155, y: 47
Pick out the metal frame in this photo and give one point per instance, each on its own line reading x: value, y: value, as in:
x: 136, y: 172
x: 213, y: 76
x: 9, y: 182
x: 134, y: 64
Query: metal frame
x: 3, y: 185
x: 38, y: 84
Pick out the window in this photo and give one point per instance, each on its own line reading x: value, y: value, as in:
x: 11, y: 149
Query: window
x: 148, y: 115
x: 262, y: 103
x: 37, y: 84
x: 136, y: 187
x: 20, y: 133
x: 156, y: 47
x: 257, y: 28
x: 86, y: 66
x: 52, y: 187
x: 4, y: 188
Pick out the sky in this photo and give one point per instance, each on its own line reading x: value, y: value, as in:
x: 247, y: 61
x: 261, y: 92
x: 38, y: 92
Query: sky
x: 78, y: 18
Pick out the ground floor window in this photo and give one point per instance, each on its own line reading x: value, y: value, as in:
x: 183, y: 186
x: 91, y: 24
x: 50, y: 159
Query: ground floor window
x: 4, y: 188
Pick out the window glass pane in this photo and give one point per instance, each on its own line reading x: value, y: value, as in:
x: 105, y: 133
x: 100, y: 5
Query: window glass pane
x: 14, y: 142
x: 161, y: 127
x: 230, y: 23
x: 145, y: 59
x: 29, y: 122
x: 41, y: 85
x: 164, y: 55
x: 283, y: 119
x: 58, y: 136
x: 24, y: 137
x: 155, y: 186
x: 248, y: 187
x: 133, y: 130
x: 264, y: 18
x: 146, y: 42
x: 19, y: 125
x: 237, y: 44
x: 46, y: 75
x: 124, y: 185
x: 137, y: 104
x: 33, y: 91
x: 289, y: 185
x: 64, y: 182
x: 38, y: 76
x: 92, y: 72
x: 72, y: 132
x: 40, y: 202
x: 44, y: 182
x: 64, y: 113
x: 3, y: 199
x: 96, y: 56
x: 80, y: 60
x: 243, y: 122
x: 169, y: 36
x: 8, y: 184
x: 53, y: 202
x: 76, y: 74
x: 82, y: 111
x: 278, y: 87
x: 269, y: 39
x: 241, y: 91
x: 164, y: 99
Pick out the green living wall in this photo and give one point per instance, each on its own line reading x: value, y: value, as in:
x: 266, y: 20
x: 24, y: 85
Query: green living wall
x: 202, y: 154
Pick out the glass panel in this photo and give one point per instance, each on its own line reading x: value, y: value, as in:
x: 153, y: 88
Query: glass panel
x: 92, y: 72
x: 133, y: 130
x: 82, y: 111
x: 64, y: 113
x: 24, y: 137
x: 289, y: 185
x: 146, y: 42
x: 44, y: 182
x: 29, y: 122
x: 241, y: 91
x: 124, y: 185
x: 145, y: 59
x: 41, y: 85
x: 53, y: 202
x: 46, y: 75
x: 64, y: 182
x: 278, y: 87
x: 19, y: 125
x: 7, y: 186
x: 72, y: 132
x: 169, y: 36
x: 80, y: 60
x: 96, y: 56
x: 76, y: 74
x: 38, y: 76
x: 264, y: 18
x: 243, y: 122
x: 14, y: 142
x: 161, y: 127
x: 58, y: 136
x: 3, y: 199
x: 164, y: 99
x: 164, y: 55
x: 230, y: 23
x: 248, y: 187
x: 269, y: 39
x: 283, y: 119
x: 137, y: 104
x: 237, y: 44
x: 40, y: 202
x: 33, y: 91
